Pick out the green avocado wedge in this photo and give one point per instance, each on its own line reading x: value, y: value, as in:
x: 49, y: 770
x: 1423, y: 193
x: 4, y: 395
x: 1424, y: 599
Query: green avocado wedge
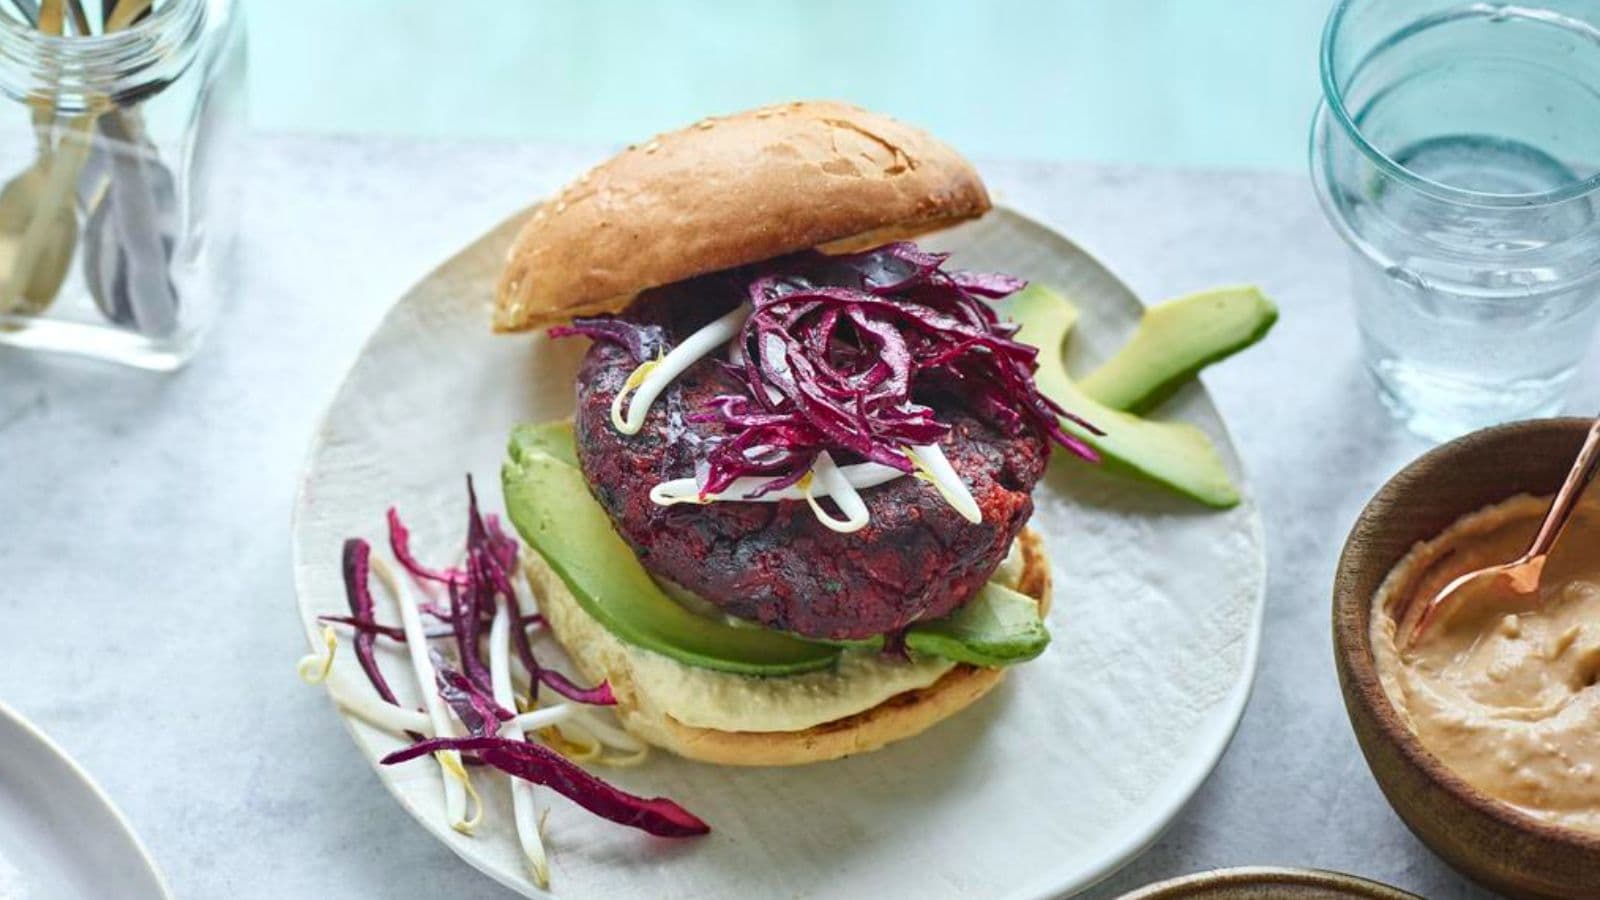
x: 555, y: 439
x: 1175, y: 340
x: 550, y: 505
x: 998, y: 627
x: 1176, y: 455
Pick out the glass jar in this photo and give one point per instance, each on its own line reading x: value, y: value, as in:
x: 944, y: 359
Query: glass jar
x: 1457, y: 152
x: 119, y: 159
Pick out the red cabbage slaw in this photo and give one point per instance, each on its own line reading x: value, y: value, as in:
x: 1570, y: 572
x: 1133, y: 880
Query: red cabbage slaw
x: 833, y: 352
x: 483, y: 582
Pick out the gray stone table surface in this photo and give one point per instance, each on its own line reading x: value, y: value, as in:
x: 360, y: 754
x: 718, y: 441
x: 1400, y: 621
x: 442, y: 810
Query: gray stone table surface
x: 147, y: 617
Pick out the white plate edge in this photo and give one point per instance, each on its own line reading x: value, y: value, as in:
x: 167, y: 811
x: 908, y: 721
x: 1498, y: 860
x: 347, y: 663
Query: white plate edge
x: 85, y: 780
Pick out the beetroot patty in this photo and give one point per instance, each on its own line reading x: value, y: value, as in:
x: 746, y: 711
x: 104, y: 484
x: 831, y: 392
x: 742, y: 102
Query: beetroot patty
x: 774, y: 563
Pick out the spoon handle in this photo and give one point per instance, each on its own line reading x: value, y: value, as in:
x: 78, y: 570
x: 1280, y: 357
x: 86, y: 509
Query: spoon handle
x: 1583, y: 469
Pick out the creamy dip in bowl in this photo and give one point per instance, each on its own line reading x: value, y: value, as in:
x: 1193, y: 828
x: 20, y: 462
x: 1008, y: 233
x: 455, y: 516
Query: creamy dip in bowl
x: 1426, y: 725
x: 1504, y: 695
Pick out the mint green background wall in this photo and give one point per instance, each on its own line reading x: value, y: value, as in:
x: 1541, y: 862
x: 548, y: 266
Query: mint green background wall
x: 1205, y: 82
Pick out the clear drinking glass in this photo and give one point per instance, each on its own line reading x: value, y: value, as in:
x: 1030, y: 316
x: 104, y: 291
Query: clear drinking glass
x: 1457, y: 151
x: 119, y: 129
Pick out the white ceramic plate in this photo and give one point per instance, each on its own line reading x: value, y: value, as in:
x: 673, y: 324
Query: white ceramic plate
x: 60, y: 836
x: 1065, y: 773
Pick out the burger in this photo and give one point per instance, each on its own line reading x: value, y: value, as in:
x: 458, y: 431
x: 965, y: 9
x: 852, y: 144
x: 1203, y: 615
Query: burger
x: 787, y: 521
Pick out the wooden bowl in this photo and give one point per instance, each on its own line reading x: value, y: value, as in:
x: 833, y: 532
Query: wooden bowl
x: 1263, y: 883
x: 1488, y: 840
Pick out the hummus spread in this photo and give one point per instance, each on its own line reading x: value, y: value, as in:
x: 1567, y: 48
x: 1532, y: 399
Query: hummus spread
x: 1503, y: 694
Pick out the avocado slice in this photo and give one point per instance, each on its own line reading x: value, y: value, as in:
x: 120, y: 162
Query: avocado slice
x: 998, y: 627
x: 549, y: 503
x: 1175, y: 340
x: 1176, y: 455
x: 551, y: 507
x: 556, y: 439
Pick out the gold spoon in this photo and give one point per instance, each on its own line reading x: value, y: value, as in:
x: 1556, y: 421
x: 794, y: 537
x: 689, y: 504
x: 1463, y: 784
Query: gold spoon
x: 38, y: 226
x: 36, y: 239
x: 1518, y: 580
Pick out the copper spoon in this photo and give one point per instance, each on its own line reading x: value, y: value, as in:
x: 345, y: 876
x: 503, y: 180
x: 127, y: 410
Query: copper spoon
x: 1520, y: 577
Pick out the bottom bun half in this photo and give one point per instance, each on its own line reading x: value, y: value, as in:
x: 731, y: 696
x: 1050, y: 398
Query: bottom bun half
x: 600, y: 655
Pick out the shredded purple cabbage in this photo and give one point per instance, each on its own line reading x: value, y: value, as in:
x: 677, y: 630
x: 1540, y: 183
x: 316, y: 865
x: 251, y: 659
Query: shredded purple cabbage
x: 400, y: 545
x: 475, y: 708
x: 501, y: 542
x: 642, y: 342
x: 474, y: 589
x: 392, y: 632
x: 599, y: 695
x: 491, y: 558
x: 837, y: 347
x: 543, y: 766
x: 358, y: 593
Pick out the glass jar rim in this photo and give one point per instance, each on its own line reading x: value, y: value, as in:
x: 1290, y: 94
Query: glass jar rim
x: 155, y: 21
x: 156, y: 47
x: 1333, y: 96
